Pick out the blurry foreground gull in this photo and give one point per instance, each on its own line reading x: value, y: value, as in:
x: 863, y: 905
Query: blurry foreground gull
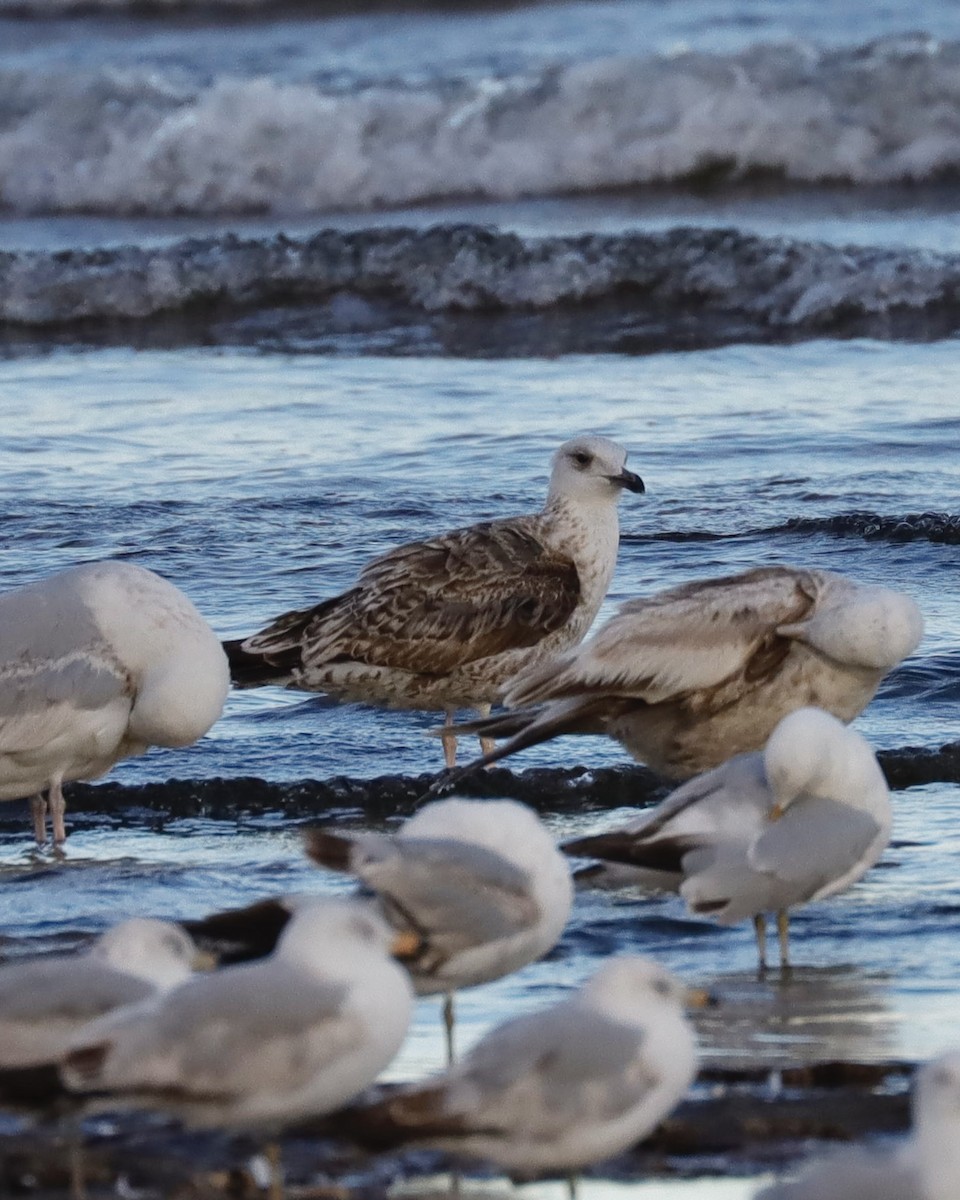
x: 442, y: 624
x: 555, y: 1090
x: 689, y: 676
x: 98, y: 663
x: 802, y: 820
x: 257, y: 1046
x: 44, y: 1001
x: 927, y: 1167
x: 479, y: 884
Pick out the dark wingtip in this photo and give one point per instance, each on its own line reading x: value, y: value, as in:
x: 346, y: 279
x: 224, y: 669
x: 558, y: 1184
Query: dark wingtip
x: 328, y: 849
x: 37, y: 1087
x: 662, y: 854
x: 249, y: 670
x: 241, y: 934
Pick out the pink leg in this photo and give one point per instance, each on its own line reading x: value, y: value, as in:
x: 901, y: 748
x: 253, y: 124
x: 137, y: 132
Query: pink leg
x: 449, y: 741
x: 38, y: 811
x: 57, y: 808
x: 486, y: 744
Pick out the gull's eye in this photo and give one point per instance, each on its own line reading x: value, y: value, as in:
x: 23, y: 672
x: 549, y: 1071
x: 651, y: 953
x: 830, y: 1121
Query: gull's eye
x: 662, y: 987
x: 582, y: 458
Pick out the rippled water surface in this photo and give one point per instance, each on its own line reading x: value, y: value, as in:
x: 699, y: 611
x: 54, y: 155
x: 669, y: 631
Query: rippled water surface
x: 260, y: 480
x: 258, y: 483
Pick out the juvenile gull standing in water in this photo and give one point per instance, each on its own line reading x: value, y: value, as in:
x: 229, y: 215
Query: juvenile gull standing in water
x: 442, y: 624
x: 689, y: 676
x: 555, y: 1090
x: 98, y: 663
x: 927, y: 1167
x: 257, y: 1046
x: 479, y: 885
x: 803, y: 820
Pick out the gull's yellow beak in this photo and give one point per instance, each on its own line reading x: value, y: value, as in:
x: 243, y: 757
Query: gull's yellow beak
x: 776, y: 812
x: 203, y: 960
x: 700, y: 998
x: 406, y: 944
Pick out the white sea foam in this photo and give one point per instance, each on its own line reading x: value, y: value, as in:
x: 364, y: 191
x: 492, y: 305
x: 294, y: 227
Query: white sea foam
x: 128, y: 141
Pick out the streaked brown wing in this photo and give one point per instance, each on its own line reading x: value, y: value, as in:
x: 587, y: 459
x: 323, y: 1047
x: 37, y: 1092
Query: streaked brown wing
x: 432, y: 606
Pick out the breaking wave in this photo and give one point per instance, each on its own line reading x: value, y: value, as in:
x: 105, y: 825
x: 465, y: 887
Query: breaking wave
x: 148, y: 141
x: 725, y: 284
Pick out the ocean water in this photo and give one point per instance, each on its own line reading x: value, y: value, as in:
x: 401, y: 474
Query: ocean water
x: 723, y: 232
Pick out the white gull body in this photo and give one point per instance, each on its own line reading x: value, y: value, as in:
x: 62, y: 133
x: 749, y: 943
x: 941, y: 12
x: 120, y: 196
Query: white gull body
x: 690, y: 676
x: 926, y: 1167
x: 98, y: 663
x: 555, y: 1090
x: 256, y: 1046
x: 45, y: 1001
x: 481, y: 883
x: 803, y: 820
x: 443, y: 624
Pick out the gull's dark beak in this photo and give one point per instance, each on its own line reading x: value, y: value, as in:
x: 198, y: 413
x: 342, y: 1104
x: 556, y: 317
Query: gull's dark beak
x: 627, y: 479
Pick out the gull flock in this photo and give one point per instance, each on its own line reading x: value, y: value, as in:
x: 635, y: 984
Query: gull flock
x: 739, y: 689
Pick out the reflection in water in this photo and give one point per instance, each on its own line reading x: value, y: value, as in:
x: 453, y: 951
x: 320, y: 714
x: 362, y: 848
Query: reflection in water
x: 499, y: 1188
x: 812, y: 1015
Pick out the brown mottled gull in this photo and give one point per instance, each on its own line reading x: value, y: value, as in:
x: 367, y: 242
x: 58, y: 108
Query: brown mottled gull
x: 690, y: 676
x: 764, y: 832
x: 444, y: 623
x: 98, y: 663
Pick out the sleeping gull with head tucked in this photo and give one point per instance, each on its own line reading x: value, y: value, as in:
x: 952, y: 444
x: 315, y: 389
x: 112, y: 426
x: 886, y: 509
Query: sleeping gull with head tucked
x: 803, y: 820
x: 98, y: 663
x: 555, y: 1090
x: 479, y: 887
x: 257, y: 1046
x: 927, y: 1167
x: 443, y: 624
x: 44, y: 1001
x: 689, y: 676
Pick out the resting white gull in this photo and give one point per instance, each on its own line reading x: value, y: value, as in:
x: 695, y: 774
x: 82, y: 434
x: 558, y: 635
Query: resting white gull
x: 443, y: 624
x: 44, y: 1001
x: 689, y: 676
x: 926, y: 1167
x: 98, y: 663
x: 257, y: 1046
x: 555, y: 1090
x: 479, y: 885
x: 803, y: 820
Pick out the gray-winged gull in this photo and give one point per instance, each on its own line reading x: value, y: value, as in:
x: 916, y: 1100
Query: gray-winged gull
x: 480, y: 885
x: 98, y: 663
x: 689, y: 676
x: 555, y: 1090
x: 803, y: 820
x: 444, y: 623
x: 257, y: 1046
x: 44, y: 1001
